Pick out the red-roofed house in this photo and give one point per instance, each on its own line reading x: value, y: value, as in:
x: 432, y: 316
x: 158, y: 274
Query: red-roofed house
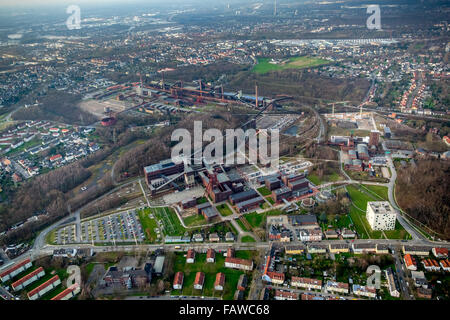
x: 285, y: 295
x: 306, y: 283
x: 190, y: 256
x: 431, y: 265
x: 440, y: 252
x: 68, y: 293
x: 178, y: 281
x: 199, y: 280
x: 445, y: 264
x: 236, y: 263
x: 220, y: 281
x: 210, y: 255
x: 275, y: 277
x: 28, y: 279
x: 410, y: 263
x: 55, y: 158
x: 44, y: 288
x: 15, y: 270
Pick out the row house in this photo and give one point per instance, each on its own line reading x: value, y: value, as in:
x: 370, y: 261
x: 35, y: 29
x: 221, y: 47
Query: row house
x: 306, y: 283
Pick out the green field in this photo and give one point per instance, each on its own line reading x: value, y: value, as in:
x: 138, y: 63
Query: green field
x: 194, y: 220
x: 148, y: 224
x: 264, y: 66
x: 264, y: 191
x: 224, y: 210
x: 360, y: 197
x: 210, y: 270
x: 257, y: 220
x: 247, y: 239
x: 172, y: 225
x: 379, y: 192
x: 239, y: 222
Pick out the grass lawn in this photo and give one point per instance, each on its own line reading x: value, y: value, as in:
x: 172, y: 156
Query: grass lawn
x: 247, y: 239
x: 326, y: 178
x: 194, y: 220
x: 210, y: 270
x: 264, y: 191
x: 172, y: 225
x: 50, y: 238
x: 257, y: 220
x: 270, y: 200
x: 148, y: 224
x: 314, y: 179
x: 264, y: 66
x: 224, y: 210
x: 201, y: 200
x: 358, y: 215
x: 239, y: 222
x: 380, y: 191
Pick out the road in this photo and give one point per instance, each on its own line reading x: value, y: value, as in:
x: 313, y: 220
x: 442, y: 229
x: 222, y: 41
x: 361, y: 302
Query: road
x: 401, y: 275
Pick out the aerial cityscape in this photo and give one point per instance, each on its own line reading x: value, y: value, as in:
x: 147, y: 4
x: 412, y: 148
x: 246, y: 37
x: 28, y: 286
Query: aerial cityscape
x: 135, y: 140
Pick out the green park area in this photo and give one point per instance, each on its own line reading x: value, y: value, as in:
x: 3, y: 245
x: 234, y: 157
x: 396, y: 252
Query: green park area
x: 243, y: 227
x: 224, y: 210
x: 325, y: 178
x: 210, y: 270
x: 247, y: 239
x: 148, y: 224
x: 194, y: 220
x: 265, y: 66
x: 360, y: 196
x: 258, y: 220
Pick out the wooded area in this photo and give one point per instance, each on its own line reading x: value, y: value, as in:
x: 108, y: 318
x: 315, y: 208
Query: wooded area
x: 423, y: 192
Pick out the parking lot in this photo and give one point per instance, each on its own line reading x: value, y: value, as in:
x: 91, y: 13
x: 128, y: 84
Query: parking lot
x: 117, y: 227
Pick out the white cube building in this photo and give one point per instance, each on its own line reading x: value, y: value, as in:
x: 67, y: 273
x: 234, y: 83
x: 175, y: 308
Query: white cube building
x: 380, y: 215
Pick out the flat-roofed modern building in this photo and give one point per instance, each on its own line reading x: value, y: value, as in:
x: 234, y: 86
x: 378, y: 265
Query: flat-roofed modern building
x: 380, y: 215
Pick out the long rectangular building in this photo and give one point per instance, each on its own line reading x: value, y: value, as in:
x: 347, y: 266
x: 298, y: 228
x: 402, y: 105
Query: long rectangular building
x: 68, y: 293
x: 243, y: 196
x: 44, y: 288
x: 236, y: 263
x: 15, y: 270
x: 28, y: 279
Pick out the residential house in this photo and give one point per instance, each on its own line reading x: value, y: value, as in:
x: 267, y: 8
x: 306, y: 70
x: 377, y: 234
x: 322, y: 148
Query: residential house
x: 338, y: 247
x: 220, y: 281
x: 211, y: 255
x: 178, y: 280
x: 337, y: 287
x: 306, y: 283
x: 199, y: 280
x: 294, y: 249
x: 440, y: 252
x: 190, y: 256
x: 410, y: 262
x: 285, y: 295
x: 365, y: 291
x: 431, y: 265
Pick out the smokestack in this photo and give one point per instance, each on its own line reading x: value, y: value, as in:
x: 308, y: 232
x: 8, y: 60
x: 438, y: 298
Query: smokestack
x: 256, y: 94
x: 163, y: 86
x: 201, y: 94
x: 223, y: 98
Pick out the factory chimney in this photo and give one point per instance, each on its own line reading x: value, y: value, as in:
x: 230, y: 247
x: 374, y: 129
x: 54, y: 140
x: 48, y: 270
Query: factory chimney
x: 256, y: 95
